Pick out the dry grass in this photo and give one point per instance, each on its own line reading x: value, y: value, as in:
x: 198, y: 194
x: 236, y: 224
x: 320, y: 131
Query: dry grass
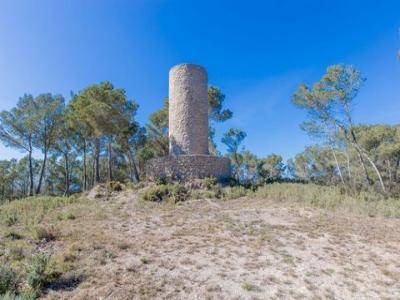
x: 254, y: 247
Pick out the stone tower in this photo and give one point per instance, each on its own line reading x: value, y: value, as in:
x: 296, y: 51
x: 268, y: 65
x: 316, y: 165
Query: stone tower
x: 188, y: 110
x: 188, y: 130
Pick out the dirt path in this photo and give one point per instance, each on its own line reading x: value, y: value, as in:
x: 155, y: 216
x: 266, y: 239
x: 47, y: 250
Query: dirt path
x: 236, y: 249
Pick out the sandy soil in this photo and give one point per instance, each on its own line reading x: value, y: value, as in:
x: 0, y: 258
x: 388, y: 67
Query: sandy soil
x: 234, y: 249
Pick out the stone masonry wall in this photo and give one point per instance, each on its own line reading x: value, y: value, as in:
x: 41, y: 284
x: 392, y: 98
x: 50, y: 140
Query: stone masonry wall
x: 189, y: 166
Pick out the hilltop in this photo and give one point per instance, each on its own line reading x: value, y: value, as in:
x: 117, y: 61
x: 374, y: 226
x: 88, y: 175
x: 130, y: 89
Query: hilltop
x: 245, y: 245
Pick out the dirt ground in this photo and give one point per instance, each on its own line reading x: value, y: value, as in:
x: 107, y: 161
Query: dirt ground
x: 233, y: 249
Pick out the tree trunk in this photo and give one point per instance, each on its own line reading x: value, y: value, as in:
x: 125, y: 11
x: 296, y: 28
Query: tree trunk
x: 110, y: 175
x: 66, y: 191
x: 389, y: 168
x: 92, y: 177
x: 30, y: 172
x: 96, y: 162
x: 338, y: 167
x: 84, y: 167
x: 237, y: 171
x: 349, y: 173
x: 396, y: 169
x: 133, y: 167
x: 377, y: 172
x: 39, y: 187
x: 360, y: 156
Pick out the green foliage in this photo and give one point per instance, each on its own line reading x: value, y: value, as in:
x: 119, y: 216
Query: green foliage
x: 271, y: 168
x: 162, y: 180
x: 247, y: 286
x: 114, y: 186
x: 37, y: 275
x: 173, y: 192
x: 9, y: 280
x: 210, y: 182
x: 232, y: 139
x: 144, y: 260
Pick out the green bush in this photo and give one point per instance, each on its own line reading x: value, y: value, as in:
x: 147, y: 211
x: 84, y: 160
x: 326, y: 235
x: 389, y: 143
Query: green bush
x: 175, y: 192
x: 37, y: 276
x: 162, y: 180
x: 179, y: 193
x: 114, y: 186
x: 9, y: 280
x: 210, y: 182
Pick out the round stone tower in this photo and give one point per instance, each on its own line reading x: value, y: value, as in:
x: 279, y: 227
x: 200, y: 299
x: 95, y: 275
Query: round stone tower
x: 188, y: 110
x: 188, y: 130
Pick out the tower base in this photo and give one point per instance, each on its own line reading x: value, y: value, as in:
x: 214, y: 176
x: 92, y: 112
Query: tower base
x: 189, y: 167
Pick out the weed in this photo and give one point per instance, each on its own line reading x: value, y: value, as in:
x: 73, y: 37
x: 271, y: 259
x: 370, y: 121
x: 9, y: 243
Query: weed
x: 144, y: 260
x: 247, y: 286
x: 109, y: 254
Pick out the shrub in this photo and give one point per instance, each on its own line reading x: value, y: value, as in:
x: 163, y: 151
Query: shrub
x: 114, y: 186
x: 210, y: 182
x: 37, y: 276
x: 144, y: 260
x: 9, y: 280
x: 161, y: 180
x: 175, y: 192
x: 39, y: 233
x: 156, y: 193
x: 247, y: 286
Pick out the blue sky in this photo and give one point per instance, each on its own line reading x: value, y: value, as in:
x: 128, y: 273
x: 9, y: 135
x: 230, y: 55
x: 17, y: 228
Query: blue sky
x: 257, y: 52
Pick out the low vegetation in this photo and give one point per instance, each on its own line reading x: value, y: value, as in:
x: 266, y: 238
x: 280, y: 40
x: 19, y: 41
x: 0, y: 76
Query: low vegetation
x: 27, y: 226
x: 55, y: 245
x: 330, y: 198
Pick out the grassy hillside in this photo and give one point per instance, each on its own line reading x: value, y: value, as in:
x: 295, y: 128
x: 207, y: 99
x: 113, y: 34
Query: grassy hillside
x: 201, y: 242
